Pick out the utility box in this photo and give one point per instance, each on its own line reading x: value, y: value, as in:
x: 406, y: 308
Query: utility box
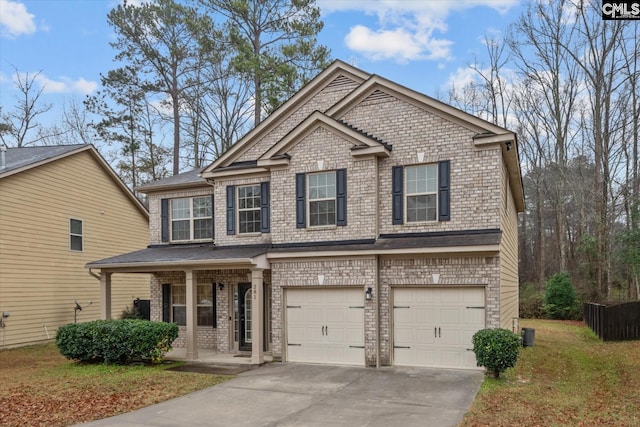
x: 528, y: 337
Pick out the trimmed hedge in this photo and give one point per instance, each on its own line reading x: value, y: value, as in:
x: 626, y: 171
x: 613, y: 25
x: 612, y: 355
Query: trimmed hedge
x: 116, y: 341
x: 496, y: 349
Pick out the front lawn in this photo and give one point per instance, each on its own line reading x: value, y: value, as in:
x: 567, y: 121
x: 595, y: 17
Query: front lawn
x: 42, y: 388
x: 568, y: 378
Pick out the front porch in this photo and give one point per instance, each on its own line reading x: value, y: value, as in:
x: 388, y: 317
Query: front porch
x: 215, y: 295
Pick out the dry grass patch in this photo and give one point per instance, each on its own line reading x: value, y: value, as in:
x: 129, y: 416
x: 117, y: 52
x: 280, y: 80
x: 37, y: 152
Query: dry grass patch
x: 568, y: 378
x: 42, y: 388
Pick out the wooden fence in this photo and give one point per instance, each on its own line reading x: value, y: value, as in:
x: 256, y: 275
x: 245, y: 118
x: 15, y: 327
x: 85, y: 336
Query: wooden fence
x: 618, y: 322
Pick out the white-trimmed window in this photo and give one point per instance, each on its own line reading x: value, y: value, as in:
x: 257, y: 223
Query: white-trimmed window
x: 179, y: 304
x: 204, y: 306
x: 191, y: 219
x: 322, y: 199
x: 422, y: 193
x: 75, y: 235
x: 249, y: 209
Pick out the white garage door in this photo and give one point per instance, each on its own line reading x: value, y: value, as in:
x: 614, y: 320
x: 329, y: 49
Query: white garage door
x: 435, y: 326
x: 325, y: 326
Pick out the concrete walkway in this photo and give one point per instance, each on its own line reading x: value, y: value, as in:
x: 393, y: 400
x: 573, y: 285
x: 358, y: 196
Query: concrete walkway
x: 316, y: 395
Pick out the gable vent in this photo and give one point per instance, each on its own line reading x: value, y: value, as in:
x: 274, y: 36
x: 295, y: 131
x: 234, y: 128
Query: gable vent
x: 378, y: 95
x: 341, y: 81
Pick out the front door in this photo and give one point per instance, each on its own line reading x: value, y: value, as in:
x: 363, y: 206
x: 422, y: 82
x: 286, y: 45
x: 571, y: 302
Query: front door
x: 244, y: 316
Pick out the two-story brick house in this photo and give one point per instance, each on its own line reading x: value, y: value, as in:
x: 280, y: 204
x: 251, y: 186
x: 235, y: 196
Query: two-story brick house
x: 360, y: 223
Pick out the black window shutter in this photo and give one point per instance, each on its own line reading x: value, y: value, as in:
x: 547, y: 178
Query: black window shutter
x: 341, y: 197
x: 231, y: 209
x: 264, y: 207
x: 213, y: 221
x: 164, y: 215
x: 213, y: 302
x: 444, y: 211
x: 397, y: 191
x: 301, y: 214
x: 166, y: 302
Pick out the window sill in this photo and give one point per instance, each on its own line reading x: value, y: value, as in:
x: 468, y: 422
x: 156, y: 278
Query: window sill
x: 419, y: 223
x: 186, y: 242
x: 249, y: 234
x: 322, y: 227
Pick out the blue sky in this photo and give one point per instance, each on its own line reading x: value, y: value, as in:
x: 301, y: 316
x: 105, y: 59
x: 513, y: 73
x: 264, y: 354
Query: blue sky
x: 422, y: 44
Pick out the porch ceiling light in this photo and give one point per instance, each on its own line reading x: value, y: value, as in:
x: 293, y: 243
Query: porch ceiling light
x: 368, y: 294
x: 221, y: 286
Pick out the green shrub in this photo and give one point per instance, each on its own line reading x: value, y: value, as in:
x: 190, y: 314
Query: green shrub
x: 496, y: 349
x: 560, y: 298
x: 116, y: 341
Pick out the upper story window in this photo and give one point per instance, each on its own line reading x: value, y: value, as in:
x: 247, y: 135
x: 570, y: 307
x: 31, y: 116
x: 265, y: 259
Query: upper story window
x: 422, y: 193
x: 322, y: 199
x: 323, y: 196
x: 191, y: 219
x: 75, y: 235
x: 249, y: 209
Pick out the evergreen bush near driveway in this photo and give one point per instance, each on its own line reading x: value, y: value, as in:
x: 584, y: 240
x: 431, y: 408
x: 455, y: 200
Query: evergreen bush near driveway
x: 116, y: 341
x: 496, y: 349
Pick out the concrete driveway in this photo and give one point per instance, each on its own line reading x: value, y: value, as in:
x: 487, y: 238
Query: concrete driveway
x: 317, y: 395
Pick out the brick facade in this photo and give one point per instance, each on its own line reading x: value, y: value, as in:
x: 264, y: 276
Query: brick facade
x: 415, y: 132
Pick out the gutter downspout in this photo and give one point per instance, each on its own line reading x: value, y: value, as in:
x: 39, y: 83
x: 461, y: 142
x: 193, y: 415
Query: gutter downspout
x: 3, y: 159
x: 377, y: 311
x: 97, y: 276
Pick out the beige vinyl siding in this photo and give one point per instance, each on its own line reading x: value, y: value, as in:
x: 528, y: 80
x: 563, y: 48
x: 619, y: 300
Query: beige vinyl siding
x: 509, y: 290
x: 40, y: 277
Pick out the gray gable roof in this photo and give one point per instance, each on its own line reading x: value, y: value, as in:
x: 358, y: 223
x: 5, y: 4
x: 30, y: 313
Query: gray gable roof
x: 186, y: 179
x: 21, y: 159
x: 24, y: 157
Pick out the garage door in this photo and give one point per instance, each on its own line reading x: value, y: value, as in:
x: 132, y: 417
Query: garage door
x: 435, y: 326
x: 325, y: 326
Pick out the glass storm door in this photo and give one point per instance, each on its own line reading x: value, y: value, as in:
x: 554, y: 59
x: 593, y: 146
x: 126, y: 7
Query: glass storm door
x: 245, y: 316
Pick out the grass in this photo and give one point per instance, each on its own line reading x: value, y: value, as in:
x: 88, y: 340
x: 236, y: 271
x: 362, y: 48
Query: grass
x: 569, y: 378
x: 42, y: 388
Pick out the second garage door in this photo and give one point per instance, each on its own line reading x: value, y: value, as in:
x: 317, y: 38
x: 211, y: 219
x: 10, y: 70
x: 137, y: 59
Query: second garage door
x: 325, y: 326
x: 434, y: 326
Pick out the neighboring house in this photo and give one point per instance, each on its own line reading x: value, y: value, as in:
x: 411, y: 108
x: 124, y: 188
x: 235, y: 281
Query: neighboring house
x: 61, y: 207
x: 361, y: 223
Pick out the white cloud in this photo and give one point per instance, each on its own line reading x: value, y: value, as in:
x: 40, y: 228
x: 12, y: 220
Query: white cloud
x: 15, y: 20
x: 405, y: 29
x: 63, y: 85
x: 461, y: 78
x: 397, y: 44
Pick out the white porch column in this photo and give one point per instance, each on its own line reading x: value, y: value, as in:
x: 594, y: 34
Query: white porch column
x: 257, y: 317
x: 105, y: 295
x: 192, y: 315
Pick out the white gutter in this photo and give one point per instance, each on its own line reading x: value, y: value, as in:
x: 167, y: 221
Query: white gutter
x: 163, y: 264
